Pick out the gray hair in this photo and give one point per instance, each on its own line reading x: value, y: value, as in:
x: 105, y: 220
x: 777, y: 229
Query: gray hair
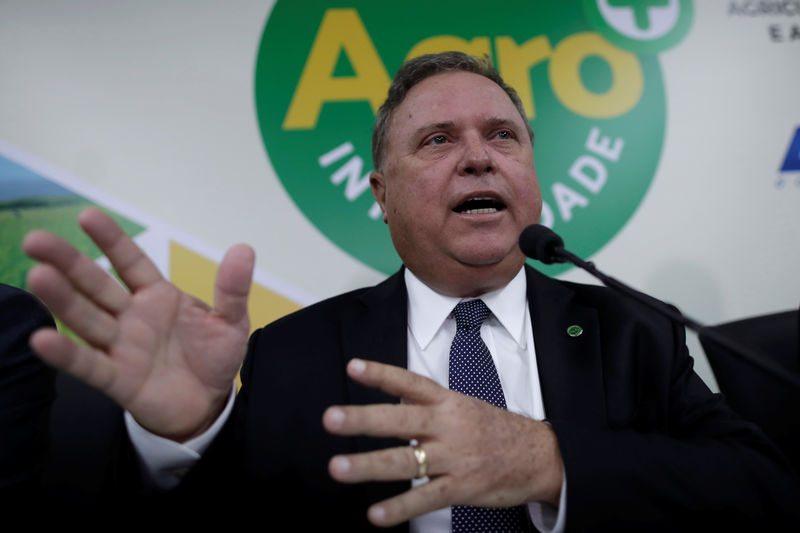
x: 418, y: 69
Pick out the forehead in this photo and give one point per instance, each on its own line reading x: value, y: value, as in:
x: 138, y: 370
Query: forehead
x: 452, y: 97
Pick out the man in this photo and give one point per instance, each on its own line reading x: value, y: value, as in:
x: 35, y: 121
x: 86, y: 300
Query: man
x: 633, y: 440
x: 27, y: 392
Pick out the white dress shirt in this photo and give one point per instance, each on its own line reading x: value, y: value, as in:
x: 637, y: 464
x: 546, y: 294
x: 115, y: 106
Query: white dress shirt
x: 508, y: 335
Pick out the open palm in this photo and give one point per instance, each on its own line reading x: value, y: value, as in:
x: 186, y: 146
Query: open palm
x: 163, y: 355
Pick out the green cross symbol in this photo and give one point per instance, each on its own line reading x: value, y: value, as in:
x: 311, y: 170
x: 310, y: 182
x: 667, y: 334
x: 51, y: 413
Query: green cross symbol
x: 640, y: 9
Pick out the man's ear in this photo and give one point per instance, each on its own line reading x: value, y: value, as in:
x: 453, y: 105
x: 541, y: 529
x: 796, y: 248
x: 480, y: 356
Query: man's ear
x: 378, y: 184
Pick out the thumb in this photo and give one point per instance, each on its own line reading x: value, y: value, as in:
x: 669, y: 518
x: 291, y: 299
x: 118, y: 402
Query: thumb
x: 232, y: 285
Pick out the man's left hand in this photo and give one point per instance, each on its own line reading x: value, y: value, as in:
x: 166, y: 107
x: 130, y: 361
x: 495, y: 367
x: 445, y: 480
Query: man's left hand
x: 476, y: 454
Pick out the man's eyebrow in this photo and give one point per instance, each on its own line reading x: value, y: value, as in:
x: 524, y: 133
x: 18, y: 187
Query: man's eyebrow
x: 511, y: 124
x: 498, y: 121
x: 491, y: 122
x: 425, y: 128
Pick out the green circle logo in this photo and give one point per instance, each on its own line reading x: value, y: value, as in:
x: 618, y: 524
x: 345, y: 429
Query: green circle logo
x: 324, y: 68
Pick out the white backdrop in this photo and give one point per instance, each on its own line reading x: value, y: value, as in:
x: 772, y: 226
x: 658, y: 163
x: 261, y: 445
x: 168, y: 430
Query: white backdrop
x: 150, y: 104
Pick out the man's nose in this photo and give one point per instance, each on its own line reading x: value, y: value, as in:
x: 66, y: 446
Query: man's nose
x: 476, y: 159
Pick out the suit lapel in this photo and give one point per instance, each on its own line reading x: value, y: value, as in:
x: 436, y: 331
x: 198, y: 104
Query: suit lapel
x: 570, y: 367
x: 378, y: 333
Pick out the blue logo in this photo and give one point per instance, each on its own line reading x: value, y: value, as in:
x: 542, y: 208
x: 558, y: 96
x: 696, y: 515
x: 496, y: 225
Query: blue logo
x: 792, y: 160
x: 791, y: 163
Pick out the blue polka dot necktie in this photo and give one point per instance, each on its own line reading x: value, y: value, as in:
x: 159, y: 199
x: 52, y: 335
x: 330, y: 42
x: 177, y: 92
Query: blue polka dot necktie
x: 472, y: 372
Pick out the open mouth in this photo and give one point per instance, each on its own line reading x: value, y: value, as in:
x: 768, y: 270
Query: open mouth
x: 480, y: 205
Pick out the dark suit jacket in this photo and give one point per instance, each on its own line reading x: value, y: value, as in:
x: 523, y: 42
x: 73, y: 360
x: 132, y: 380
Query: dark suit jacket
x: 27, y: 390
x: 645, y: 444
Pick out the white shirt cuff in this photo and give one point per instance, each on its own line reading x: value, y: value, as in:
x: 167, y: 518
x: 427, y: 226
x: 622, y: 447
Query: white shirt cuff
x: 548, y: 519
x: 164, y: 462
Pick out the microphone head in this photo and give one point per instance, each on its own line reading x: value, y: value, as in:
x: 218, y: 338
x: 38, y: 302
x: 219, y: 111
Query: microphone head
x: 541, y: 243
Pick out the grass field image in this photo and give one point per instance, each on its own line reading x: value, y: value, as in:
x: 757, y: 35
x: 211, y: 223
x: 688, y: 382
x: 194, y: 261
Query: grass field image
x: 29, y: 201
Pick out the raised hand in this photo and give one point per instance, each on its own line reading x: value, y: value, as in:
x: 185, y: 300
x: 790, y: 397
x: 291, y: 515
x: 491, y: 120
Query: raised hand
x: 163, y: 355
x: 477, y: 454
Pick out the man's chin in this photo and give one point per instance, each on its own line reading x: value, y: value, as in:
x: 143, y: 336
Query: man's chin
x: 488, y: 252
x: 492, y: 261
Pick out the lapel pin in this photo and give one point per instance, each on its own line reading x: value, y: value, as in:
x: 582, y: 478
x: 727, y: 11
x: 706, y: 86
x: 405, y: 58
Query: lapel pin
x: 574, y: 330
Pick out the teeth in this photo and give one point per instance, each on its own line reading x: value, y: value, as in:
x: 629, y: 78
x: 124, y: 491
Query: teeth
x: 479, y: 205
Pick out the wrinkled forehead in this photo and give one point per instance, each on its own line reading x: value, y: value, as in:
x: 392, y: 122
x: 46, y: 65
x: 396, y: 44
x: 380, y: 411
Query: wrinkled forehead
x: 451, y: 97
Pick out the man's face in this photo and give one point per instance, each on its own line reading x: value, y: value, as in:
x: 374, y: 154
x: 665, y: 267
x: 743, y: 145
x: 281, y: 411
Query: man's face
x: 458, y: 184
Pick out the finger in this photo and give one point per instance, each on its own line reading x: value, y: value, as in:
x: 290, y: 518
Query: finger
x: 83, y: 362
x: 382, y: 465
x: 82, y: 272
x: 232, y: 285
x: 88, y: 321
x: 420, y: 500
x: 131, y: 264
x: 379, y: 420
x: 395, y: 381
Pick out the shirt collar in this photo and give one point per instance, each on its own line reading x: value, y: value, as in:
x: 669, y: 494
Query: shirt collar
x: 428, y: 309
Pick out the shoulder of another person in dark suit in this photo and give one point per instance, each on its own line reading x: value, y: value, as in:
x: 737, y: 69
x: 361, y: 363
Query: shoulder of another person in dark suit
x: 27, y: 392
x: 21, y: 313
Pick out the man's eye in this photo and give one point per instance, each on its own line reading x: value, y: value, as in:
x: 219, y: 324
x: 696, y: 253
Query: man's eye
x: 504, y: 134
x: 438, y: 139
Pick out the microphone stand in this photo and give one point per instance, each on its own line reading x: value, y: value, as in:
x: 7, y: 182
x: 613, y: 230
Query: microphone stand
x: 561, y: 255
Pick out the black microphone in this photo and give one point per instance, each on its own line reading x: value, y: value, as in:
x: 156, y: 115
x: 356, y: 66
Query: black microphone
x: 543, y: 244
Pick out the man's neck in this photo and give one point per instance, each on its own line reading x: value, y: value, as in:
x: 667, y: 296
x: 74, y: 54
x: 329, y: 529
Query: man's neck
x: 471, y: 282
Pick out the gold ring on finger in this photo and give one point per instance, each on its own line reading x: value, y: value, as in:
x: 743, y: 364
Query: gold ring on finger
x: 422, y: 461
